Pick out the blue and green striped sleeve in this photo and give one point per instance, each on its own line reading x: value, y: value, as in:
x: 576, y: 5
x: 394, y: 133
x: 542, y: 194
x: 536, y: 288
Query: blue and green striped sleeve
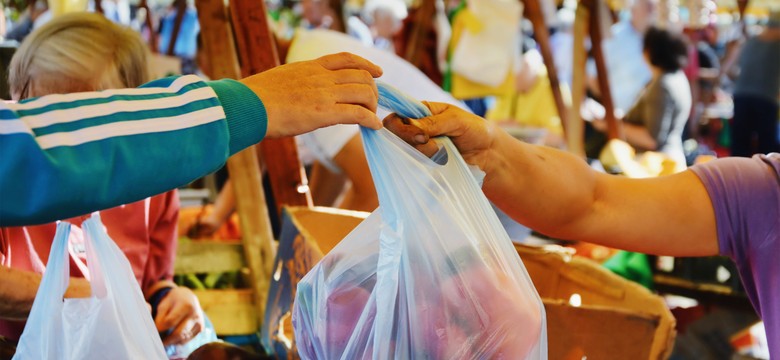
x: 67, y: 155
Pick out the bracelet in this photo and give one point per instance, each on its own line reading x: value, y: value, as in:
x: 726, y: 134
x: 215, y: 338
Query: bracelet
x: 155, y: 299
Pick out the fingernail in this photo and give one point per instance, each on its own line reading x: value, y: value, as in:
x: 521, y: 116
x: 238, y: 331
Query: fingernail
x: 420, y: 138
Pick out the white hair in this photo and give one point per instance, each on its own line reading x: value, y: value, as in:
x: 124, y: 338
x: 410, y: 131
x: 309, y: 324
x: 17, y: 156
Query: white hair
x: 78, y: 52
x: 396, y: 8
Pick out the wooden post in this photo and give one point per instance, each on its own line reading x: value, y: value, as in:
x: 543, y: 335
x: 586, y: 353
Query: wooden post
x: 338, y: 16
x: 181, y: 9
x: 256, y: 47
x: 148, y: 22
x: 575, y: 128
x: 243, y: 167
x: 614, y: 128
x: 742, y: 7
x: 422, y: 25
x: 533, y: 11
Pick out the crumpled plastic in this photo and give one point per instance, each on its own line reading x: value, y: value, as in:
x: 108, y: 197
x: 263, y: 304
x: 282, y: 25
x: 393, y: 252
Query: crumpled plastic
x: 431, y: 274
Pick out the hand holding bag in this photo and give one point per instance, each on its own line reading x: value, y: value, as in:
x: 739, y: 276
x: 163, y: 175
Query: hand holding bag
x: 431, y: 274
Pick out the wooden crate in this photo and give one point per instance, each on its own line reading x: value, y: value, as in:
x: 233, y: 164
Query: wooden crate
x: 232, y: 311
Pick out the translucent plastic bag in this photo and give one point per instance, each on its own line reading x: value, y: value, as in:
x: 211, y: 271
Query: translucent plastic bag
x: 112, y: 324
x: 431, y: 274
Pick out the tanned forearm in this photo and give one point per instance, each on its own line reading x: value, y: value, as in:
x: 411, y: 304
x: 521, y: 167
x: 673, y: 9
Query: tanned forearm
x: 18, y: 289
x: 533, y: 183
x: 17, y: 292
x: 558, y: 194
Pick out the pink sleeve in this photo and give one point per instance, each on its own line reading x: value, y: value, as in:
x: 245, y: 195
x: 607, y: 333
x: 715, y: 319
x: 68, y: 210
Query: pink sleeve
x: 163, y: 237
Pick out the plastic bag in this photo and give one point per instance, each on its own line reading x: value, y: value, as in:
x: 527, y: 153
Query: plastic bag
x: 431, y: 274
x: 114, y: 323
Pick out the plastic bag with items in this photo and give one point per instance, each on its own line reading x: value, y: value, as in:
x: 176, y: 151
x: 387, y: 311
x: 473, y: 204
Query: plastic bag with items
x: 114, y: 323
x: 431, y: 274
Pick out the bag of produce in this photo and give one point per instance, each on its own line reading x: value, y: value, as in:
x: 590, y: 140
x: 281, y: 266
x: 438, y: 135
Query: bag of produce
x: 431, y: 274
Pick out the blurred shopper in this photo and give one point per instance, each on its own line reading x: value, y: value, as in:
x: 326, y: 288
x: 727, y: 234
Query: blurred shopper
x: 756, y: 93
x: 657, y: 120
x: 385, y: 18
x: 628, y: 73
x: 318, y: 14
x: 185, y: 45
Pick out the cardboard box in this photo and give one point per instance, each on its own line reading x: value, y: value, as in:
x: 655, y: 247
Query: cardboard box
x: 595, y: 311
x: 307, y: 235
x: 613, y: 319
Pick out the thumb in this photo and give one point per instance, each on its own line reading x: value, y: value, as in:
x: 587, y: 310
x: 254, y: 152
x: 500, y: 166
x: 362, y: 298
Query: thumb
x: 445, y: 120
x: 412, y: 134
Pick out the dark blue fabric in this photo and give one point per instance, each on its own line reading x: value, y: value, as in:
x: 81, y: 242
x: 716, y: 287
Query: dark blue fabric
x: 755, y: 126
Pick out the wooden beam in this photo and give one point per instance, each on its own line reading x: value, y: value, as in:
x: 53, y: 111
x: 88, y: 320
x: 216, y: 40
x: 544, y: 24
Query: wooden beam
x: 338, y: 15
x: 422, y: 25
x: 244, y: 170
x: 181, y: 9
x: 575, y: 127
x: 741, y: 7
x: 533, y: 11
x: 257, y: 49
x: 614, y: 128
x: 148, y: 22
x: 254, y: 40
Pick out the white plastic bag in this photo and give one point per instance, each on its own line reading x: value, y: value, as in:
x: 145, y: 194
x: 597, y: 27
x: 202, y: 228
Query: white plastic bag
x: 431, y: 274
x: 114, y: 323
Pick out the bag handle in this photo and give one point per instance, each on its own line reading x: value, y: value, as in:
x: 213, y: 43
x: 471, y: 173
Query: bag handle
x: 55, y: 278
x: 112, y: 276
x: 391, y: 160
x: 109, y: 269
x: 406, y: 106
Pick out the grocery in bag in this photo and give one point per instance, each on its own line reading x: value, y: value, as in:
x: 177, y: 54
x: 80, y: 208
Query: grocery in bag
x: 114, y: 323
x: 431, y: 274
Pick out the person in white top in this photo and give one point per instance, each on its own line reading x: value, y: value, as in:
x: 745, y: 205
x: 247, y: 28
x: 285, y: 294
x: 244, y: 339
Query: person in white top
x: 338, y: 150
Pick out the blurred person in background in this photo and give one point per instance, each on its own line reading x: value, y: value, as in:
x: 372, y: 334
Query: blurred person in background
x: 185, y: 46
x: 32, y: 17
x: 658, y: 118
x: 385, y: 19
x: 628, y: 73
x: 318, y: 14
x: 756, y: 93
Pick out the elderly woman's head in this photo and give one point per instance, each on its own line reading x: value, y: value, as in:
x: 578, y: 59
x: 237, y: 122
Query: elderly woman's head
x: 78, y: 52
x: 665, y: 50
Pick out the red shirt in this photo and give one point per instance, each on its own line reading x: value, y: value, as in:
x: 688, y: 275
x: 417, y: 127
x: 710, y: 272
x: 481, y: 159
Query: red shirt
x: 146, y: 231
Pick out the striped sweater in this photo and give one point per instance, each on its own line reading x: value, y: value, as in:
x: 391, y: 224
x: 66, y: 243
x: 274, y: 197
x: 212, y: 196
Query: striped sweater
x: 66, y: 155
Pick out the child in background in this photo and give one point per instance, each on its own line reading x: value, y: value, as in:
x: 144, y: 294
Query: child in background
x: 86, y: 52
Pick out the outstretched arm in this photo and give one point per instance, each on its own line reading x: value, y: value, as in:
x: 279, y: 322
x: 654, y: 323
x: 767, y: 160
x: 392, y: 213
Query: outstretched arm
x: 67, y: 155
x: 558, y: 194
x: 18, y: 289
